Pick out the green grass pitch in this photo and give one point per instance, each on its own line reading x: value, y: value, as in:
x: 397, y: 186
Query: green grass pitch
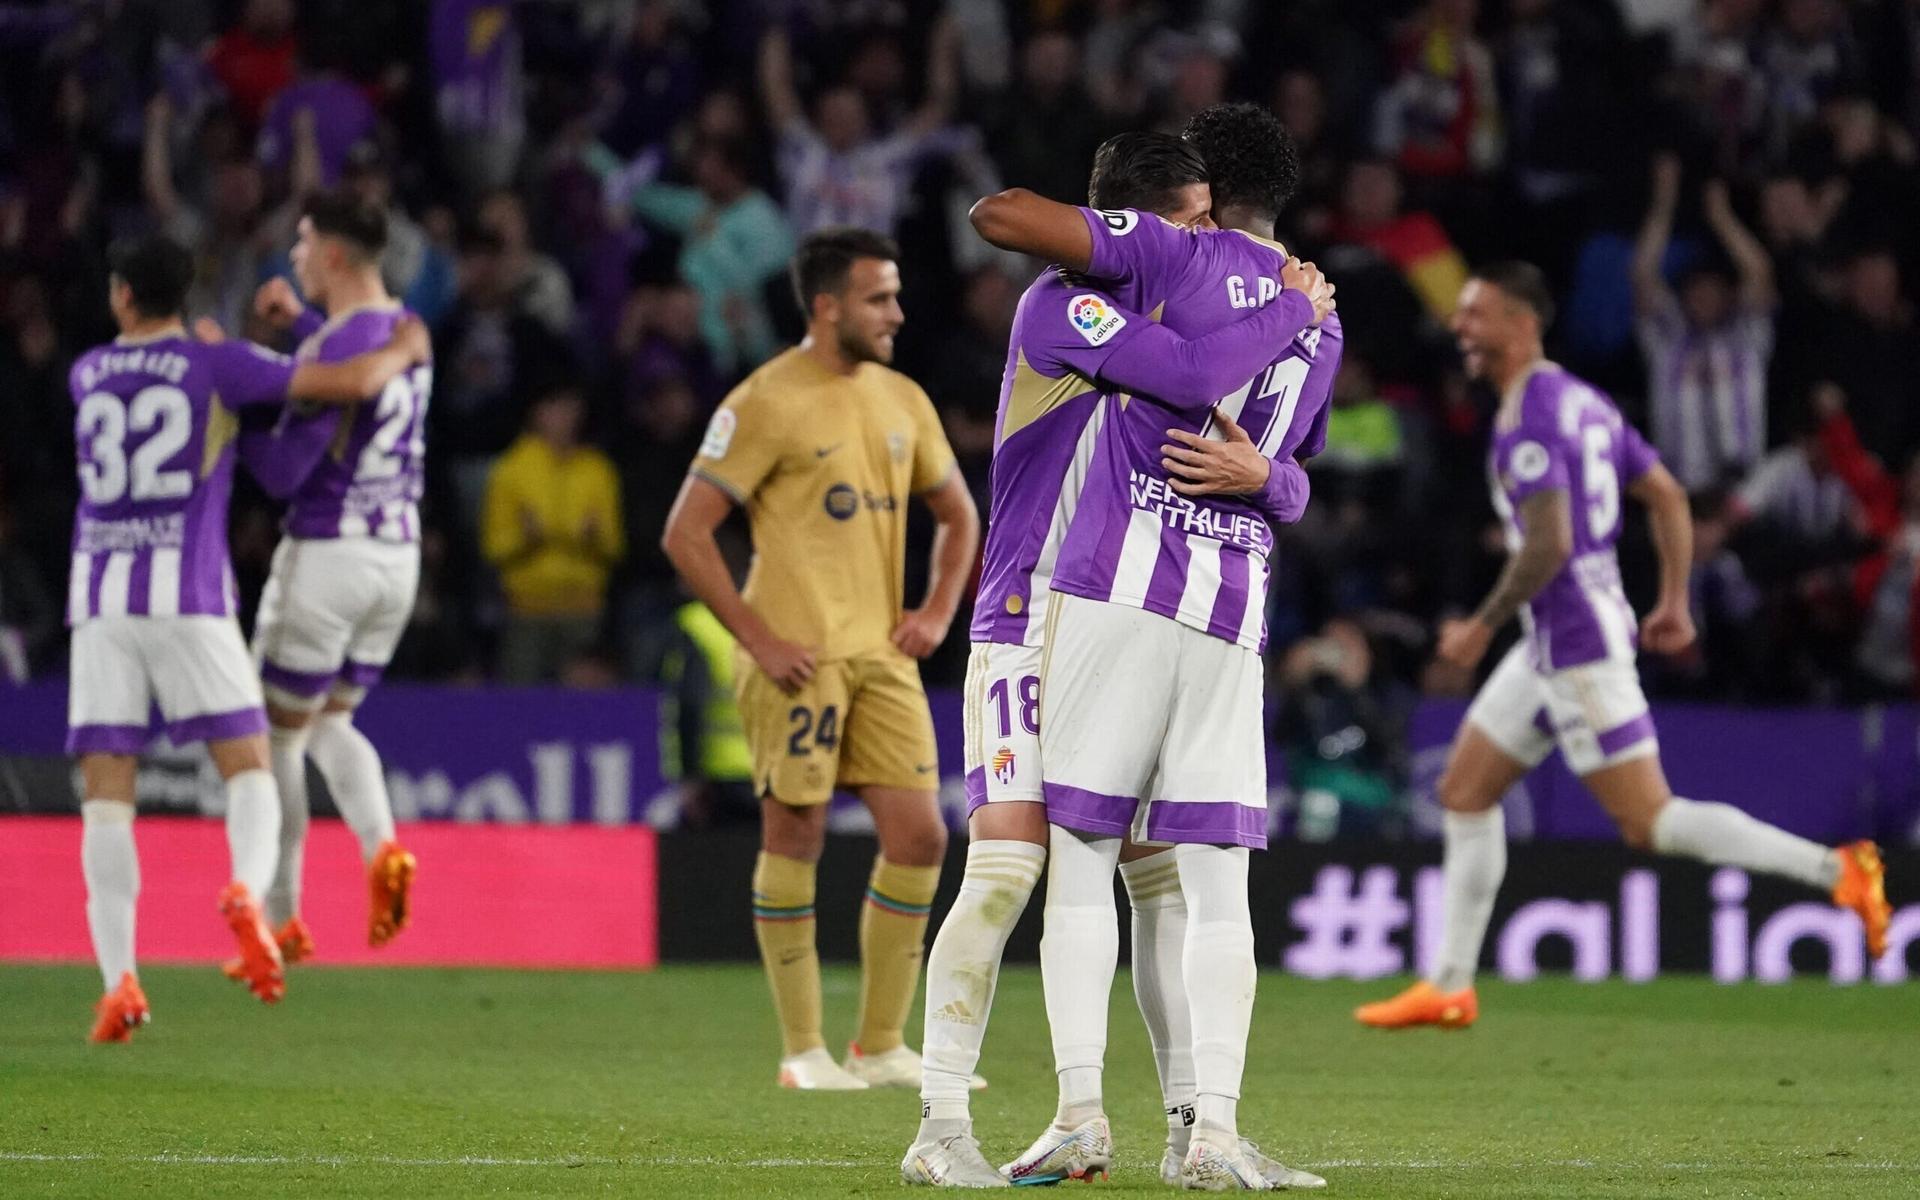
x: 415, y: 1083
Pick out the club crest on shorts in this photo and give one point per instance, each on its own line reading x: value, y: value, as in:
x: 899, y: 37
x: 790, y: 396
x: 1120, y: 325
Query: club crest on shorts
x: 1003, y: 764
x: 1094, y: 318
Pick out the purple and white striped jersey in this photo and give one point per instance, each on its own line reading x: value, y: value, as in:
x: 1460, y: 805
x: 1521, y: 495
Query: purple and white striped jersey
x: 1556, y: 432
x: 369, y: 481
x: 1133, y: 540
x: 154, y: 425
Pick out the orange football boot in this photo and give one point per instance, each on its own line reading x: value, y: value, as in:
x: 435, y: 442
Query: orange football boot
x: 260, y: 962
x: 120, y: 1011
x: 1422, y: 1004
x: 389, y: 881
x: 1862, y: 887
x: 296, y: 945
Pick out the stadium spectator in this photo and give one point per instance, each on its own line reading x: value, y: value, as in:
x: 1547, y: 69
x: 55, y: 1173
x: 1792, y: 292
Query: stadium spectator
x: 734, y: 242
x: 703, y: 748
x: 322, y: 112
x: 1043, y: 132
x: 539, y: 287
x: 29, y: 618
x: 1708, y: 346
x: 1414, y: 242
x: 552, y: 529
x: 655, y: 77
x: 479, y: 90
x: 255, y: 60
x: 835, y: 169
x: 1345, y: 738
x: 1869, y: 345
x: 1885, y: 661
x: 1440, y: 117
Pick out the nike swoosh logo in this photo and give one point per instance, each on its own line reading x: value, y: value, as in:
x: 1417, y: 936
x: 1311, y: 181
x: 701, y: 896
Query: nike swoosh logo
x: 923, y: 768
x: 823, y: 452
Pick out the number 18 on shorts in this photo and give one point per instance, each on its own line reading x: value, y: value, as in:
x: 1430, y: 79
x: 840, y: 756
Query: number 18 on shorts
x: 1002, y: 724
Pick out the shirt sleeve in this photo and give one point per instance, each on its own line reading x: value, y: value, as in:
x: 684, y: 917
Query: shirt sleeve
x: 932, y: 455
x: 743, y: 444
x: 1637, y: 455
x: 1130, y: 246
x: 1531, y: 458
x: 245, y: 374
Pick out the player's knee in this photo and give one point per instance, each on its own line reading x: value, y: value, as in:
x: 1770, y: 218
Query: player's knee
x: 1636, y: 828
x: 1460, y: 792
x: 791, y: 831
x: 281, y: 717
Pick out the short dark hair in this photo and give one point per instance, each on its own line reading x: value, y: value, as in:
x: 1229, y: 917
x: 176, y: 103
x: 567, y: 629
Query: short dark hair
x: 1144, y: 170
x: 340, y: 214
x: 157, y: 269
x: 827, y: 255
x: 1523, y: 283
x: 1250, y: 156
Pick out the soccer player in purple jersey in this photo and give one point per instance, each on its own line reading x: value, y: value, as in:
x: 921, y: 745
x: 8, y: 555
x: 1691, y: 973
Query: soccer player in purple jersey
x: 344, y: 576
x: 151, y: 598
x: 1561, y: 458
x: 1051, y: 423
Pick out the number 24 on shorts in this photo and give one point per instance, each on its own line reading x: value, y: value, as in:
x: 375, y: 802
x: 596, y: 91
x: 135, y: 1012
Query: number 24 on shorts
x: 825, y: 731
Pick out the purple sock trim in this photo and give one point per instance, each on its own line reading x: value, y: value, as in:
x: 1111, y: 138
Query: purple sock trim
x: 1088, y: 812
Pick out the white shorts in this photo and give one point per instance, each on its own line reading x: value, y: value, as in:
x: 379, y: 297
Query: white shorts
x: 195, y: 669
x: 331, y: 615
x: 1151, y: 729
x: 1596, y: 713
x: 1002, y: 724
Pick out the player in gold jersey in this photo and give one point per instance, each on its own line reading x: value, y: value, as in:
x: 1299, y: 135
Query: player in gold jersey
x: 824, y: 445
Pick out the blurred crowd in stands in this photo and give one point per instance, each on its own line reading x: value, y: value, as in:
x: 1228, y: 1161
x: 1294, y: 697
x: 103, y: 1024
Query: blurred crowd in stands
x: 593, y: 202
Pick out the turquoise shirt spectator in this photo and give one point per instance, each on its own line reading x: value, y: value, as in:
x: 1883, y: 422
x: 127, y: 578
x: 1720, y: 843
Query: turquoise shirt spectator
x: 728, y: 253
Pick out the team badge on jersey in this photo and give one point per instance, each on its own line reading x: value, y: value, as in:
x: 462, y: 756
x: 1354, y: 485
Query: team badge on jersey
x: 1529, y: 461
x: 1003, y: 764
x: 1095, y: 319
x: 719, y: 434
x: 897, y: 446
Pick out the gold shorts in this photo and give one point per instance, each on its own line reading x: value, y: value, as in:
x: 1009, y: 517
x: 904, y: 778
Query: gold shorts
x: 859, y: 722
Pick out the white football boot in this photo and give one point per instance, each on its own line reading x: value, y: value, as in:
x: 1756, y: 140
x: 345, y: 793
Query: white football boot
x: 952, y: 1161
x: 1216, y: 1162
x: 1082, y: 1152
x: 898, y: 1067
x: 815, y: 1071
x: 1282, y: 1177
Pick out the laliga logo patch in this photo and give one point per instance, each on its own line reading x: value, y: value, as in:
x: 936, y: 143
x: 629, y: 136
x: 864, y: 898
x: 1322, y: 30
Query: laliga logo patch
x: 1094, y: 318
x: 1003, y: 764
x: 1529, y: 461
x: 719, y: 434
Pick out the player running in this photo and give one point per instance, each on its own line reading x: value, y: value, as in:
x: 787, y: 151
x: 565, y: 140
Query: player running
x: 1071, y: 343
x: 1561, y: 458
x: 824, y: 446
x: 343, y: 579
x: 151, y: 598
x: 1149, y: 584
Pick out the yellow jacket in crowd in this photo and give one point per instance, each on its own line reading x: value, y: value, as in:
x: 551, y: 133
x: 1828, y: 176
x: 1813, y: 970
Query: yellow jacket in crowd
x: 551, y: 526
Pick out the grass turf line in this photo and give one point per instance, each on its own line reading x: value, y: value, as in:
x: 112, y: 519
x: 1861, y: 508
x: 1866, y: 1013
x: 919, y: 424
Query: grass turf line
x: 462, y: 1083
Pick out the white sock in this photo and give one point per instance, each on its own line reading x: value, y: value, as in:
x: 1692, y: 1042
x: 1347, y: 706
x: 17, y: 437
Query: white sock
x: 1221, y: 975
x: 1159, y: 983
x: 1723, y: 835
x: 253, y: 829
x: 964, y: 965
x: 1474, y: 863
x: 289, y: 747
x: 112, y: 870
x: 351, y: 767
x: 1078, y: 952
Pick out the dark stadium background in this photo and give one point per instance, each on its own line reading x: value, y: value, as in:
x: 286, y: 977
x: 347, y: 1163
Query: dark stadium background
x: 526, y: 146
